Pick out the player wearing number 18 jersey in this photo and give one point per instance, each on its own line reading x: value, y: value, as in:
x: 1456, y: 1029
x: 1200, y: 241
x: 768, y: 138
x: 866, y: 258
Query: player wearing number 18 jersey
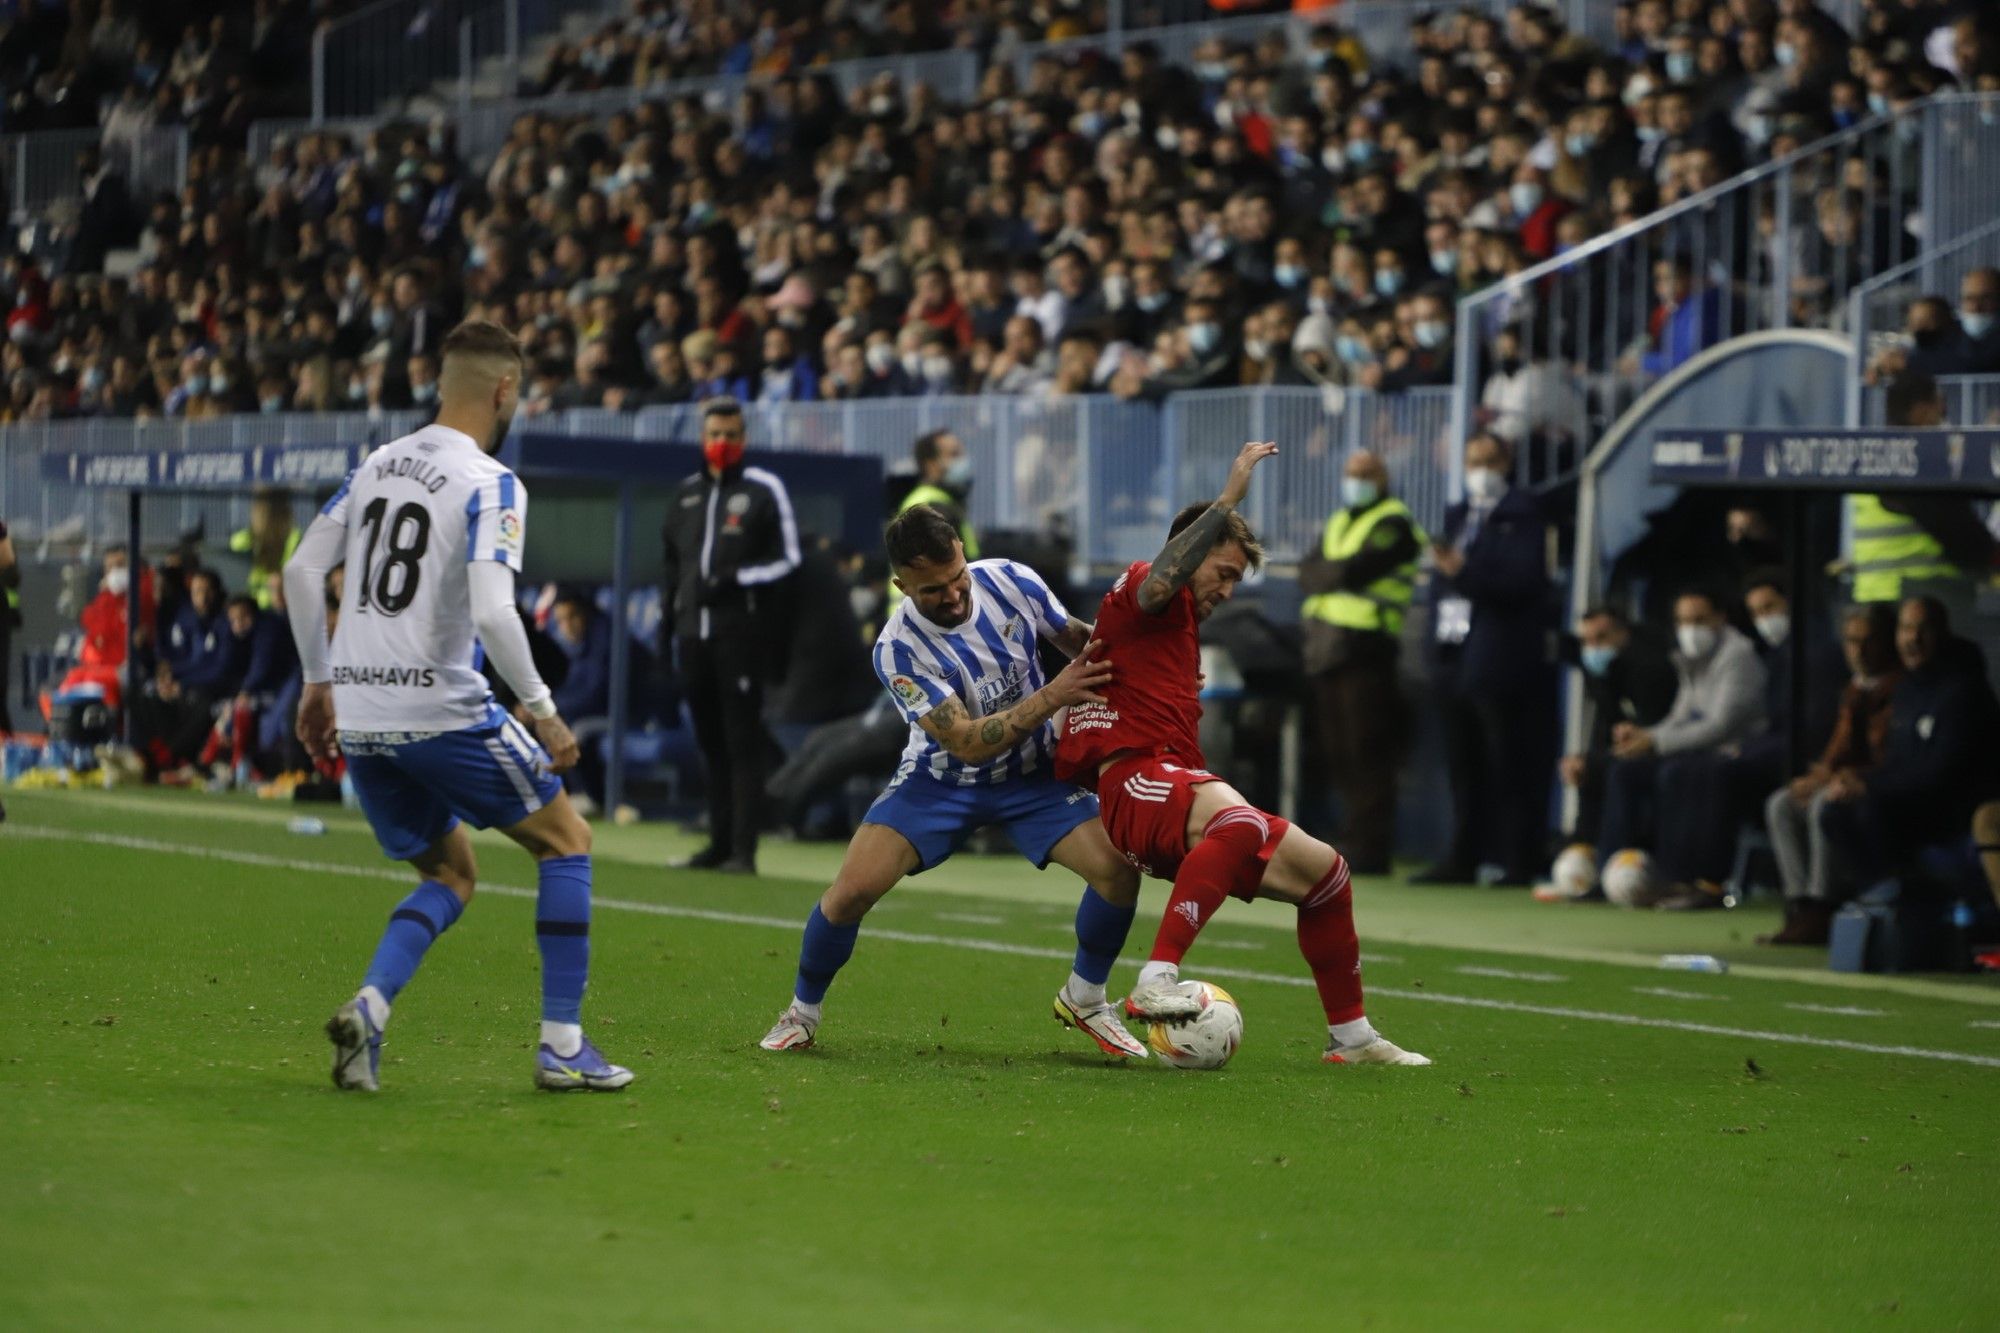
x: 1177, y: 821
x: 430, y: 529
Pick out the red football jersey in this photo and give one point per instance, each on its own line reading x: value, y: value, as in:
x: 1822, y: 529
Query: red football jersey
x: 1153, y: 704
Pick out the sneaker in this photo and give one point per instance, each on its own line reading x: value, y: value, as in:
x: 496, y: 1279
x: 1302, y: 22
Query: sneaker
x: 792, y: 1032
x: 1163, y: 1000
x: 357, y: 1048
x: 1380, y: 1051
x: 1100, y: 1023
x: 587, y: 1070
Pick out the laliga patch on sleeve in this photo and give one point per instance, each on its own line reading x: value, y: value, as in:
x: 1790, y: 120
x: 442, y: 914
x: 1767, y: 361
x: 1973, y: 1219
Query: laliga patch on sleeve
x: 508, y: 532
x: 908, y: 691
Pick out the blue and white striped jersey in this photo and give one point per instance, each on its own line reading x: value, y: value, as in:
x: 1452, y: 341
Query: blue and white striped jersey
x: 988, y: 664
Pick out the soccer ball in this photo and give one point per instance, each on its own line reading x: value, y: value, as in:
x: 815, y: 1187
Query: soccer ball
x: 1575, y: 872
x: 1629, y: 879
x: 1205, y: 1041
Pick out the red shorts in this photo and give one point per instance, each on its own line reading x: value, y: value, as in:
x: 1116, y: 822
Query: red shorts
x: 1144, y: 800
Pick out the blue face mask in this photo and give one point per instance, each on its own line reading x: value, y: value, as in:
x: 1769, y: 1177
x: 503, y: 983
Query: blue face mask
x: 1352, y: 350
x: 1203, y: 337
x: 1360, y: 152
x: 1680, y: 66
x: 1975, y: 326
x: 1444, y: 263
x: 1388, y: 281
x: 1289, y: 275
x: 1597, y: 658
x: 1878, y: 104
x: 1358, y: 493
x: 1579, y: 144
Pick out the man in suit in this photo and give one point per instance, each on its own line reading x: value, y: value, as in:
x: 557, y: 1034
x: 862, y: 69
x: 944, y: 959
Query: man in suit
x: 1492, y: 661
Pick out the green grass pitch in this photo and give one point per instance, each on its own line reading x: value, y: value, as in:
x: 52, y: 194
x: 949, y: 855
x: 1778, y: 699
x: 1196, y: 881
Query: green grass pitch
x: 1601, y: 1145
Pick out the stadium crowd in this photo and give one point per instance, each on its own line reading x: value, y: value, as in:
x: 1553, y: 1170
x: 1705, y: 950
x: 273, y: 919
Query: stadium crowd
x: 1264, y: 215
x: 1268, y: 215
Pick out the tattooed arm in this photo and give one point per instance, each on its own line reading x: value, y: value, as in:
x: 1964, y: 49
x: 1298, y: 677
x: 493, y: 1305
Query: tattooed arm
x: 1073, y: 637
x: 979, y: 739
x: 1184, y: 552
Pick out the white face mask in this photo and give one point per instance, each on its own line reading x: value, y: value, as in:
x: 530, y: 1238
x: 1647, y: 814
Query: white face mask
x: 1774, y: 629
x: 117, y: 581
x: 1485, y: 483
x: 1696, y: 640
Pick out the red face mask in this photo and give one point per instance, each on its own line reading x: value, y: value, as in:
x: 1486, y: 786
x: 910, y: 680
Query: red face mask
x: 722, y: 454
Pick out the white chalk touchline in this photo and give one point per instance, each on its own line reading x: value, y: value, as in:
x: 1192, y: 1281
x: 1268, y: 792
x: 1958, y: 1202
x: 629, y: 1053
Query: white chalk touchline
x: 1508, y: 974
x: 973, y: 918
x: 400, y: 876
x: 1668, y: 992
x: 1843, y: 1010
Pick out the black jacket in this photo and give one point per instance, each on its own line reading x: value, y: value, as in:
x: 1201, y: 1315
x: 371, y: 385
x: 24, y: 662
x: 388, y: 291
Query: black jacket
x: 1638, y: 687
x: 728, y: 541
x: 1937, y: 760
x: 1506, y: 580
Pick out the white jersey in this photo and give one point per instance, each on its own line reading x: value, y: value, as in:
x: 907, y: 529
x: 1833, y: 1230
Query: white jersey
x: 417, y: 512
x: 988, y: 664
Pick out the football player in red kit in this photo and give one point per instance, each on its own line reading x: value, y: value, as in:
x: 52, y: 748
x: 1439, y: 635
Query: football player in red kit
x: 1177, y: 821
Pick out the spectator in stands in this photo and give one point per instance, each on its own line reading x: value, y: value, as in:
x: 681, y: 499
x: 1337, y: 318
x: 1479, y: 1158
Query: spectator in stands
x: 1792, y: 813
x: 1979, y: 318
x: 1023, y: 364
x: 1490, y: 622
x: 788, y: 375
x: 1358, y: 583
x: 1938, y: 344
x: 1687, y: 319
x: 1937, y: 762
x: 1421, y: 353
x: 1665, y: 792
x: 1627, y: 678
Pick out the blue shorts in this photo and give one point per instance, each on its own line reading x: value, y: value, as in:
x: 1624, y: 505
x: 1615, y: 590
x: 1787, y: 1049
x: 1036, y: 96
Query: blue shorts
x: 937, y: 817
x: 415, y: 789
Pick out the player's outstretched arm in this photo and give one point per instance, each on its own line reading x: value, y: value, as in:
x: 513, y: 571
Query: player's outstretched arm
x: 1185, y: 550
x: 979, y: 739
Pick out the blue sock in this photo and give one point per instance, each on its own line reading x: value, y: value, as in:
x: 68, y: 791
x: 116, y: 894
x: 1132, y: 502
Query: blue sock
x: 823, y: 952
x: 1101, y: 927
x: 415, y: 924
x: 562, y: 929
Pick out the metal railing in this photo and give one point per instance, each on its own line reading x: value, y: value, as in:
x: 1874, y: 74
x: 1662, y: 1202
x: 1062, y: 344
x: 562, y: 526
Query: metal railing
x: 1780, y: 246
x: 1381, y: 26
x: 395, y: 50
x: 1108, y: 471
x: 1875, y: 309
x: 41, y: 165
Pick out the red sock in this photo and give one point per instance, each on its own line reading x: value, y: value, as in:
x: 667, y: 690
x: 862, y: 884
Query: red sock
x: 1329, y: 945
x: 240, y: 727
x: 209, y: 748
x: 1226, y: 861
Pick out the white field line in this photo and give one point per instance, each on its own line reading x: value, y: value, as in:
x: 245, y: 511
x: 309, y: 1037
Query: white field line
x: 1506, y: 974
x: 997, y: 946
x: 1668, y: 992
x: 973, y: 918
x: 1842, y: 1010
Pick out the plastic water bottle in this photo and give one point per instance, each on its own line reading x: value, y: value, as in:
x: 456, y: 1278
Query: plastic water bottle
x: 307, y: 825
x: 1693, y: 962
x: 1961, y: 937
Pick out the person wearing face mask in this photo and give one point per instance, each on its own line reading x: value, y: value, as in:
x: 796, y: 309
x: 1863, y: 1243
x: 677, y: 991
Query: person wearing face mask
x: 1492, y: 671
x: 1214, y: 356
x: 1358, y: 584
x: 10, y: 620
x: 944, y: 482
x: 100, y: 662
x: 1979, y: 317
x: 1809, y: 875
x: 1627, y: 677
x: 1665, y: 792
x: 731, y: 541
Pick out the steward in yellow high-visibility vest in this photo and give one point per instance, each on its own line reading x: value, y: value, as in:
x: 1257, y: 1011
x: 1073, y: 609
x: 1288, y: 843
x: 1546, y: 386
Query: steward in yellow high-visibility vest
x: 944, y: 475
x: 269, y: 542
x: 1889, y: 549
x: 1359, y: 585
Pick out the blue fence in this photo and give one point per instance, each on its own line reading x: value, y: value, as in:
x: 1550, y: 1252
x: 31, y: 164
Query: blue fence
x: 1107, y: 471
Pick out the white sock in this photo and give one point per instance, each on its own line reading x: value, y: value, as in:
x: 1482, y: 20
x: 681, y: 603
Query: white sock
x: 809, y: 1010
x: 565, y: 1039
x: 378, y: 1007
x: 1084, y: 994
x: 1159, y: 971
x: 1349, y: 1035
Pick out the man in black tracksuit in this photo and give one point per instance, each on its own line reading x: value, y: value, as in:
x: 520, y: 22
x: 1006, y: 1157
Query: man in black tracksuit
x: 730, y: 537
